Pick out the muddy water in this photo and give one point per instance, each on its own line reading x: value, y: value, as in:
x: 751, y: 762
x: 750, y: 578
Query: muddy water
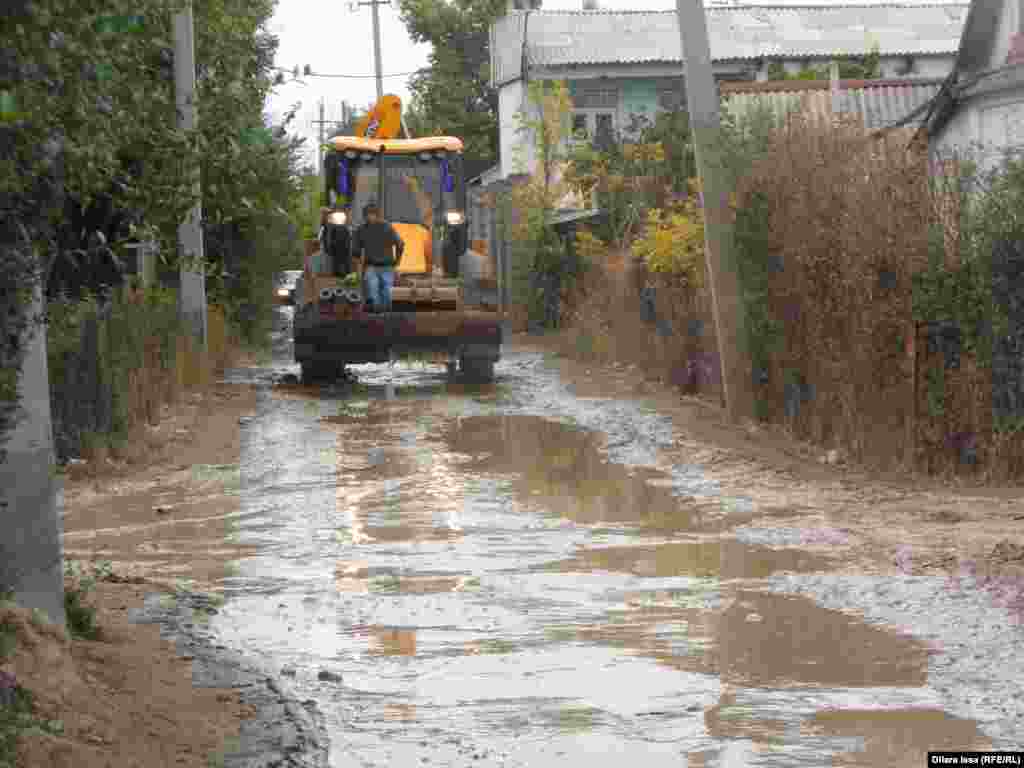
x: 494, y: 590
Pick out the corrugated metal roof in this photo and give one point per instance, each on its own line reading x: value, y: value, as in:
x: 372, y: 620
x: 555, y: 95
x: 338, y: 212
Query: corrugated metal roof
x: 878, y: 103
x: 560, y: 38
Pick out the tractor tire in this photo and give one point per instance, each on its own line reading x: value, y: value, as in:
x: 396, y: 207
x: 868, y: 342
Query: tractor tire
x: 320, y: 372
x: 479, y: 370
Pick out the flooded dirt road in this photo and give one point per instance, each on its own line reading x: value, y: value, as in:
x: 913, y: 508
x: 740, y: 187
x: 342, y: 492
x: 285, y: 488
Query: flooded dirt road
x: 520, y: 575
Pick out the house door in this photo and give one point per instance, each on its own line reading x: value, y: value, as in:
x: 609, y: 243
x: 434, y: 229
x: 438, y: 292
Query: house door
x: 604, y: 130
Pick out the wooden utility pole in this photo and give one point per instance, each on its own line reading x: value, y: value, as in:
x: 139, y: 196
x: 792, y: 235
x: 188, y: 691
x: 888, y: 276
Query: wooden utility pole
x: 375, y: 7
x: 702, y: 101
x: 192, y: 296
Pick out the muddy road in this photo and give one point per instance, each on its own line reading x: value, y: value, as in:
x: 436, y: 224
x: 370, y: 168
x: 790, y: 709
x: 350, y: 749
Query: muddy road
x: 526, y: 574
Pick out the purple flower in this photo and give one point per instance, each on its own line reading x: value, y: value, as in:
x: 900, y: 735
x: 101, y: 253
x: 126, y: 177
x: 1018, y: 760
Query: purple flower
x: 903, y: 559
x: 824, y: 536
x: 8, y: 683
x: 792, y: 312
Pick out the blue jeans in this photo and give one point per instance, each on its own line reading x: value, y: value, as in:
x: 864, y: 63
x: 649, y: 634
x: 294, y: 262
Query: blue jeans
x: 378, y: 287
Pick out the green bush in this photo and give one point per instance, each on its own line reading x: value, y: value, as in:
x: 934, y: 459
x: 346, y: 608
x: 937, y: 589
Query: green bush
x: 92, y: 349
x: 81, y: 616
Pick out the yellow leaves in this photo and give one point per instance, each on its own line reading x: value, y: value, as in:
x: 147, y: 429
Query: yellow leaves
x: 673, y: 242
x: 589, y: 247
x: 644, y: 153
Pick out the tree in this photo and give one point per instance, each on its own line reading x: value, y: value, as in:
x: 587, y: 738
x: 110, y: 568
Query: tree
x: 542, y: 267
x: 453, y: 95
x: 850, y: 68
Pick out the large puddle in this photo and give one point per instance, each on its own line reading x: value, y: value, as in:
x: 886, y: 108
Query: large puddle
x: 494, y: 591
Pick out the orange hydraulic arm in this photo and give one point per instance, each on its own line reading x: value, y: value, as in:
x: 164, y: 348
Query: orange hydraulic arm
x: 384, y: 121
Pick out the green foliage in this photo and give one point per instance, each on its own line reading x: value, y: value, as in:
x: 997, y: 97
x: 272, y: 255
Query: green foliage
x: 671, y: 131
x: 741, y: 141
x: 850, y: 68
x: 628, y: 174
x: 7, y: 634
x: 673, y: 242
x: 15, y: 719
x: 935, y: 392
x: 542, y: 263
x: 453, y: 95
x: 762, y: 330
x: 986, y: 210
x: 94, y: 351
x: 312, y: 201
x: 81, y: 616
x: 962, y: 296
x: 96, y: 82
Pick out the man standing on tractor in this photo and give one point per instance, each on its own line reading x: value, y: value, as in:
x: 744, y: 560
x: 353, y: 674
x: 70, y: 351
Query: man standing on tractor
x: 379, y: 247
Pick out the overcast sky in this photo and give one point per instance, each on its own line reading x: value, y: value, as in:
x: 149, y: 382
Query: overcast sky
x: 332, y: 39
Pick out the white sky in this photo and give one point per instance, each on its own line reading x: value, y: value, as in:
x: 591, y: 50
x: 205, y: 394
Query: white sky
x: 332, y: 39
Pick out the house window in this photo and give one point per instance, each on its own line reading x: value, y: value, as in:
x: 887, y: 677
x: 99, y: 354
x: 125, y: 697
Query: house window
x: 599, y: 126
x: 579, y: 126
x: 670, y: 99
x: 590, y: 96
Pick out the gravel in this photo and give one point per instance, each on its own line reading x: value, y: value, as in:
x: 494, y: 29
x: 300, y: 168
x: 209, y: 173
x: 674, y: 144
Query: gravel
x: 284, y: 733
x: 978, y: 666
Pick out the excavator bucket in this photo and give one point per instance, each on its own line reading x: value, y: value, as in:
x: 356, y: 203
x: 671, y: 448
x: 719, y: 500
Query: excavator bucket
x: 384, y: 121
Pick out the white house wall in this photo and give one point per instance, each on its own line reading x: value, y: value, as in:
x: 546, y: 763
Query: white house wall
x: 1009, y: 25
x: 511, y: 99
x: 959, y: 135
x: 984, y: 128
x: 1001, y: 125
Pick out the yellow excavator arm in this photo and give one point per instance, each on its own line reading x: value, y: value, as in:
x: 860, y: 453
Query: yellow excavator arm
x: 384, y: 121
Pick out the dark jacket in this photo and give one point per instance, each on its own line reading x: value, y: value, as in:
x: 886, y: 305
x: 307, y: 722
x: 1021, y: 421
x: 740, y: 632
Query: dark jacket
x: 377, y: 241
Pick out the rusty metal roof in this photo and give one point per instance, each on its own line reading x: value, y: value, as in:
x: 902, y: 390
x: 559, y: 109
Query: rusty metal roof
x: 563, y: 38
x: 877, y: 103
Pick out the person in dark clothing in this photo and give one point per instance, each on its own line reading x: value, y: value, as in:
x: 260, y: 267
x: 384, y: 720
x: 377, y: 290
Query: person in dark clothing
x: 380, y: 248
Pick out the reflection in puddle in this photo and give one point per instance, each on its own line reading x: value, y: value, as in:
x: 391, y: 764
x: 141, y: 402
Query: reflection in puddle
x: 392, y: 642
x: 797, y: 642
x: 359, y: 576
x: 728, y: 721
x: 462, y: 614
x: 405, y: 713
x: 764, y: 640
x: 563, y: 470
x: 896, y: 737
x: 727, y: 559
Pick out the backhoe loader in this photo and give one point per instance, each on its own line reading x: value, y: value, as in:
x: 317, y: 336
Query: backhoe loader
x: 445, y: 300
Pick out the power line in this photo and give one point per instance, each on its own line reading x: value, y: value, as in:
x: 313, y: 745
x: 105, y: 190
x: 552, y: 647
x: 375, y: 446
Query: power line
x: 351, y: 77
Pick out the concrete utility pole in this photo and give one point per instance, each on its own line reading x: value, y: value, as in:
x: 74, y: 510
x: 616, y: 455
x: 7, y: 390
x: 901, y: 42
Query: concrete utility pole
x: 702, y: 103
x: 31, y: 556
x: 375, y: 6
x: 192, y: 297
x: 320, y: 146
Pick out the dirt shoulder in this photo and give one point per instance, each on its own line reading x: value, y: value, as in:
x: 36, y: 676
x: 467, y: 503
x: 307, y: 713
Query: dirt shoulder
x: 164, y: 512
x: 940, y: 524
x: 152, y: 689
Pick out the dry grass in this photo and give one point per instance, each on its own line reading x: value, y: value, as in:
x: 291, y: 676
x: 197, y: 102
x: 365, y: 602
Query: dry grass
x: 604, y: 324
x: 152, y: 387
x: 847, y: 224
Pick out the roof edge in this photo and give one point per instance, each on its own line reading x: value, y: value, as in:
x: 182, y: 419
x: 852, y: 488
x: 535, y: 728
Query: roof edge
x: 775, y: 86
x: 731, y: 8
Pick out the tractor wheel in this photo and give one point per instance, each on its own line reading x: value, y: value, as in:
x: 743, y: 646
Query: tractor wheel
x: 320, y: 372
x: 477, y: 369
